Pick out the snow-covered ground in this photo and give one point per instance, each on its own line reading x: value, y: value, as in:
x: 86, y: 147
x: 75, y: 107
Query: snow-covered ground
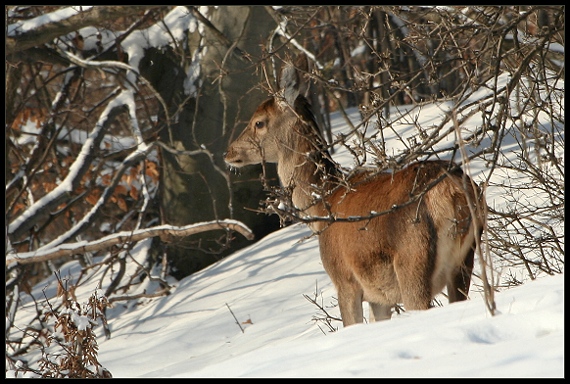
x: 192, y: 333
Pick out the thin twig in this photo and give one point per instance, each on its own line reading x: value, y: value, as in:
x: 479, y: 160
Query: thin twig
x: 237, y: 322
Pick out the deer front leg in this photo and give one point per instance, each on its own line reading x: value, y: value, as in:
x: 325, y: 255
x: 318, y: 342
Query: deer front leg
x: 350, y: 303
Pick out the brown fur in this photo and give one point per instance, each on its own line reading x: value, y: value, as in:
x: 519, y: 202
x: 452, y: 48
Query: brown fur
x: 424, y: 244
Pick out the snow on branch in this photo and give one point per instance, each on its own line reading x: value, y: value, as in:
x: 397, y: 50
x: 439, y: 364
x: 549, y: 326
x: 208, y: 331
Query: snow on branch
x: 166, y: 233
x: 27, y: 34
x: 132, y: 74
x: 139, y: 154
x: 41, y: 209
x: 282, y: 30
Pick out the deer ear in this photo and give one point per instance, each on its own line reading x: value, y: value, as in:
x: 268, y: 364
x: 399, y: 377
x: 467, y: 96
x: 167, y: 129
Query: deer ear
x: 289, y: 83
x: 294, y: 79
x: 302, y: 65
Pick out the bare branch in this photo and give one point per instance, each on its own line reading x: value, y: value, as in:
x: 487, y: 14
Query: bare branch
x: 166, y: 232
x: 41, y: 210
x: 97, y: 15
x: 238, y: 53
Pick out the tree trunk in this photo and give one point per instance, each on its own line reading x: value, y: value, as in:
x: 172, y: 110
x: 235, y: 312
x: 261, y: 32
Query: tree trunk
x: 197, y: 188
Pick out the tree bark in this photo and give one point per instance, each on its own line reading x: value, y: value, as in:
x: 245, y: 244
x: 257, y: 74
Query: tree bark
x: 197, y: 188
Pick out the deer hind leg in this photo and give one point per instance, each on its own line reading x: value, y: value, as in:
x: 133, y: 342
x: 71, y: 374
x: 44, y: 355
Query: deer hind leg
x: 414, y: 279
x: 416, y: 292
x: 379, y: 312
x: 458, y: 286
x: 350, y: 303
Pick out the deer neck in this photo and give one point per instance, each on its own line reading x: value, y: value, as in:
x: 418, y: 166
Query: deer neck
x: 307, y: 170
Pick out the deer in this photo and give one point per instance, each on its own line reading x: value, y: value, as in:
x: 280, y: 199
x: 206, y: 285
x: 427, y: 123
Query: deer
x: 417, y: 231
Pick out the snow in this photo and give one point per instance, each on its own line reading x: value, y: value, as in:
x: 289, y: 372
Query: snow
x: 52, y: 17
x: 193, y: 333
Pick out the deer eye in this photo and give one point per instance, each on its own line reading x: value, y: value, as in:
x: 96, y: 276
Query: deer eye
x: 259, y: 124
